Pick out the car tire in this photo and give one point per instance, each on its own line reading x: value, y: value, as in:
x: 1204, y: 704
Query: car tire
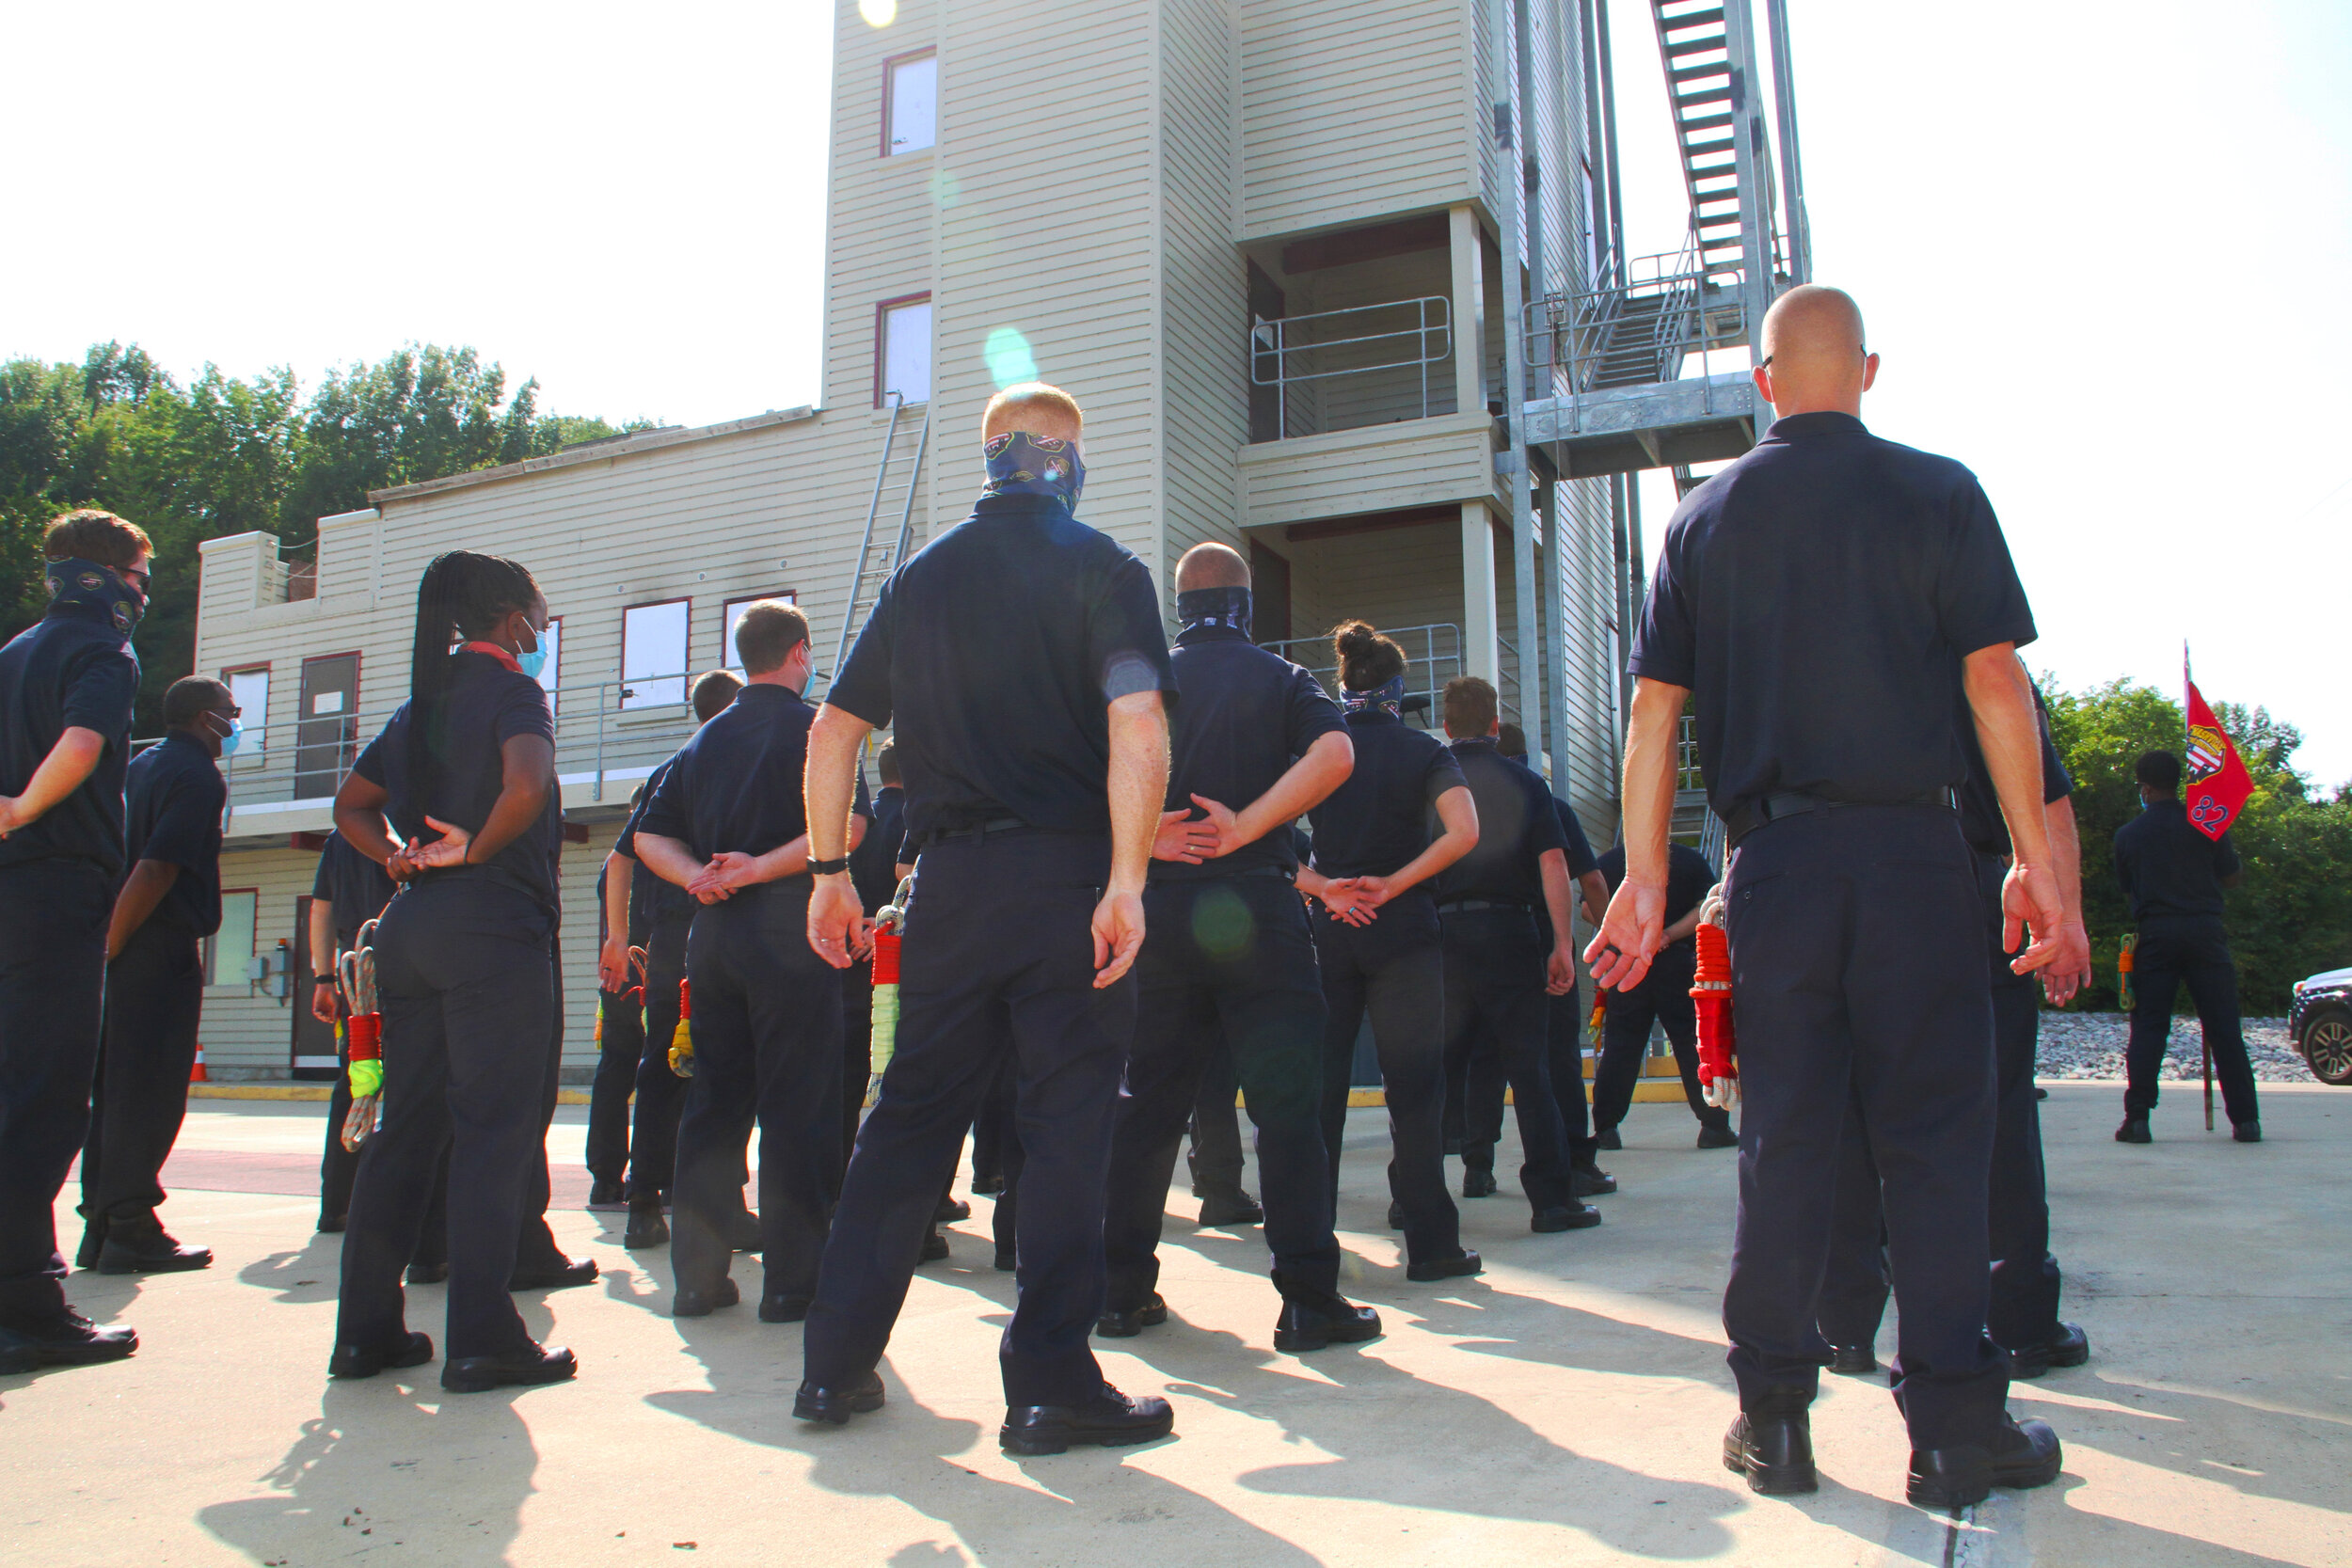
x: 2328, y: 1046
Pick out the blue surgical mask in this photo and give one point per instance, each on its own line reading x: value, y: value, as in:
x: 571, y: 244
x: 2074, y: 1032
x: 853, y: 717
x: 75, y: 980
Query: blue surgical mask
x: 235, y: 737
x: 533, y: 661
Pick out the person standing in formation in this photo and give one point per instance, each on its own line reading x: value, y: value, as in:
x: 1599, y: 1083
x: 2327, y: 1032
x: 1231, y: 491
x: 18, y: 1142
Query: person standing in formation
x: 1660, y: 997
x: 1231, y: 966
x: 1021, y: 658
x: 1498, y: 977
x: 66, y: 688
x: 2173, y: 876
x: 168, y: 904
x: 1377, y: 940
x: 726, y: 824
x: 2023, y: 1319
x: 347, y: 890
x: 1836, y: 605
x: 660, y: 1091
x: 466, y: 771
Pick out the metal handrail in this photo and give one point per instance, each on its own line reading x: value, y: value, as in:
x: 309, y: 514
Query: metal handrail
x: 1270, y: 343
x: 275, y: 758
x: 1438, y: 662
x: 1686, y: 308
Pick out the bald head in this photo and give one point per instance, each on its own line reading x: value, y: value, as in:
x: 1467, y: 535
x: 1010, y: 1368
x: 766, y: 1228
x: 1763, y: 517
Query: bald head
x: 1036, y: 409
x: 1815, y: 359
x: 1211, y: 567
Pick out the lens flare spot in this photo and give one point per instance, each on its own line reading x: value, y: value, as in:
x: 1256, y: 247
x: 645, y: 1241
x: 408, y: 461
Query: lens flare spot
x: 1009, y: 357
x: 878, y: 13
x: 1222, y: 925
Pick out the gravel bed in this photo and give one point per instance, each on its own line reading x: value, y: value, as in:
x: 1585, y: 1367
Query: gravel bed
x: 2091, y: 1045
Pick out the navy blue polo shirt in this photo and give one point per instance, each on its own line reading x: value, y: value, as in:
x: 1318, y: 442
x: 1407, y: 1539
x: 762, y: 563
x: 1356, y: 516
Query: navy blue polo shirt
x: 484, y: 705
x: 1378, y: 821
x: 175, y: 796
x: 1816, y: 596
x: 2168, y: 869
x: 663, y: 900
x: 994, y: 654
x: 354, y: 887
x: 874, y: 864
x: 1688, y: 878
x: 1572, y: 837
x: 1246, y: 714
x: 642, y: 899
x: 1517, y: 824
x: 1980, y: 820
x: 69, y: 670
x: 736, y: 785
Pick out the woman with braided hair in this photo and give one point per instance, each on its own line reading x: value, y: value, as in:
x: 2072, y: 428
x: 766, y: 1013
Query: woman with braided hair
x: 466, y: 772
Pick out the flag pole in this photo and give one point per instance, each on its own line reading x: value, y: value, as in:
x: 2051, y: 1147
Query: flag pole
x: 2206, y: 1040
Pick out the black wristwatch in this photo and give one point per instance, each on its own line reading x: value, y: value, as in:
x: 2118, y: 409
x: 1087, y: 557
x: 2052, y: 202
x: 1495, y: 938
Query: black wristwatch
x: 827, y: 869
x: 323, y: 979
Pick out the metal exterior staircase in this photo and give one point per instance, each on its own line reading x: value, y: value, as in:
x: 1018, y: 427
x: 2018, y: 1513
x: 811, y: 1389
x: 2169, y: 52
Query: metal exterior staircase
x: 882, y: 547
x: 1705, y: 89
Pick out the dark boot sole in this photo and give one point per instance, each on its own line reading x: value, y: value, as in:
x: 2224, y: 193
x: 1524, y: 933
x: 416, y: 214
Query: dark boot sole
x: 1787, y: 1481
x: 1940, y: 1498
x: 1432, y: 1274
x: 836, y: 1412
x: 1062, y: 1439
x: 1127, y: 1325
x: 483, y: 1383
x: 155, y: 1265
x: 1293, y: 1343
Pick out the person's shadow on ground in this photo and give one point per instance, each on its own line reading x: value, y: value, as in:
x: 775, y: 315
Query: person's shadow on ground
x: 376, y: 1467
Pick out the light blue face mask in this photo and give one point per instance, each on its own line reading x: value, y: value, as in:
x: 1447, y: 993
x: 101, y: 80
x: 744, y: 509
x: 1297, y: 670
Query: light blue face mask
x: 235, y: 737
x: 533, y: 661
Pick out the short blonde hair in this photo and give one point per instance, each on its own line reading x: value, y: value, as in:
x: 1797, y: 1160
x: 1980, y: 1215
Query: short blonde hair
x: 1035, y: 409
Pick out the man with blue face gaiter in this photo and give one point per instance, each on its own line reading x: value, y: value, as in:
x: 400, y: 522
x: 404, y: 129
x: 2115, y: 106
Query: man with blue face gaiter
x: 66, y: 687
x: 167, y: 906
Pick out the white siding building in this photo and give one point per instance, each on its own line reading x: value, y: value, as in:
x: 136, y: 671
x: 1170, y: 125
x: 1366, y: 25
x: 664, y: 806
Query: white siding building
x: 1259, y: 239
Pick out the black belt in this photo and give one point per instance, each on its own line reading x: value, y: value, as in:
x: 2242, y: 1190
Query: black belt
x: 977, y: 831
x: 1515, y: 905
x: 1752, y: 815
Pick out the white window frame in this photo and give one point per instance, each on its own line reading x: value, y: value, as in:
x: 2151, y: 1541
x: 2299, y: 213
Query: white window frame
x: 909, y: 102
x: 902, y: 326
x: 225, y: 962
x: 731, y: 615
x: 255, y: 706
x: 654, y: 677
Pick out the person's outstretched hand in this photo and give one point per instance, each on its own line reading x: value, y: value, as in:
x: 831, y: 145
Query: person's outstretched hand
x: 1631, y: 932
x: 448, y: 849
x: 1118, y: 937
x: 2031, y: 904
x: 837, y: 921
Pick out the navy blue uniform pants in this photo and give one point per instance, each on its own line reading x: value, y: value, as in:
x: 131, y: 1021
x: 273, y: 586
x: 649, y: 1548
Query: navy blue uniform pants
x: 766, y: 1047
x: 1230, y: 969
x: 53, y: 982
x: 661, y: 1093
x: 2192, y: 951
x: 1392, y: 971
x: 1214, y: 1161
x: 1494, y: 990
x: 1858, y: 963
x: 1474, y: 1085
x: 467, y: 988
x: 1663, y: 997
x: 340, y: 1166
x: 620, y: 1050
x: 2026, y: 1279
x: 154, y: 995
x: 999, y: 958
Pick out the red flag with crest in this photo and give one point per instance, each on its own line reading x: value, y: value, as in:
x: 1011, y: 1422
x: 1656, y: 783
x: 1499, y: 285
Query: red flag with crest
x: 2217, y: 780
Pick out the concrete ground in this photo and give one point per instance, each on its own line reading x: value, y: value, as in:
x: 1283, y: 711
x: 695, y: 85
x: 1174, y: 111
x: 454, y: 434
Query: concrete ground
x: 1565, y: 1408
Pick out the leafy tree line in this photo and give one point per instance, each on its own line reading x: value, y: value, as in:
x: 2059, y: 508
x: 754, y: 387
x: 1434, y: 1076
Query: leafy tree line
x: 2292, y: 916
x: 221, y: 456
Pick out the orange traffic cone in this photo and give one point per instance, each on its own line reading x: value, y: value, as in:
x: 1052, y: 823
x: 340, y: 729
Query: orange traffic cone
x: 197, y: 1074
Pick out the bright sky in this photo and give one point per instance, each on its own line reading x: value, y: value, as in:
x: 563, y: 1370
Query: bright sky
x: 2104, y: 250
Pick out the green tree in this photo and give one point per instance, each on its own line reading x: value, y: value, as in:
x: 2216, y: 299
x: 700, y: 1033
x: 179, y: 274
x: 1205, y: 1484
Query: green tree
x: 2293, y: 915
x: 226, y: 456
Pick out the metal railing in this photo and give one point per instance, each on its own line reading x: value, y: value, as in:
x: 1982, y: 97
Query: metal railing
x: 597, y: 738
x: 1670, y: 307
x: 1433, y: 656
x: 1390, y: 338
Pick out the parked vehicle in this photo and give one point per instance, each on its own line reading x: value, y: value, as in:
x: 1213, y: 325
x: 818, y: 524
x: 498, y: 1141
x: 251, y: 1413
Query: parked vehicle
x: 2321, y: 1024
